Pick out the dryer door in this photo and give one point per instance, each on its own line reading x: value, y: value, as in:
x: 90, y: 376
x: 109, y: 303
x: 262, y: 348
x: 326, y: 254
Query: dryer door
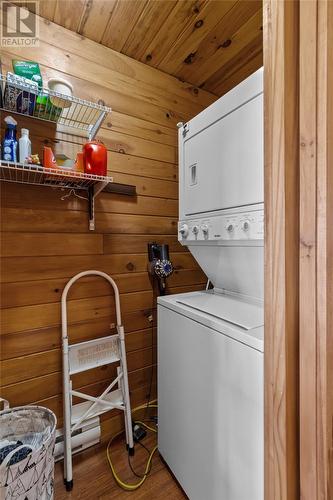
x: 223, y: 163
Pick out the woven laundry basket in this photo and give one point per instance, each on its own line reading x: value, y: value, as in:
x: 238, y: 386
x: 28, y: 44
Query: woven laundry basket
x: 32, y: 477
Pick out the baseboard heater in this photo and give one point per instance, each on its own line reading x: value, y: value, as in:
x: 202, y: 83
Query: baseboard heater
x: 88, y: 434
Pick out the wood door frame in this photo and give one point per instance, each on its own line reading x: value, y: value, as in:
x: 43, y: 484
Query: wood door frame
x: 316, y: 250
x: 281, y: 21
x: 298, y: 55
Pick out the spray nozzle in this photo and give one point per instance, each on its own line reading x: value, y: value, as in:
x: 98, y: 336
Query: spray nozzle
x: 10, y: 121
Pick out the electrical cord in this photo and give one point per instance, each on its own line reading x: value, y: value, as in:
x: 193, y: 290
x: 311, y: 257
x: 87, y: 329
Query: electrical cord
x: 133, y: 486
x: 122, y: 484
x: 140, y: 476
x: 143, y: 446
x: 148, y: 451
x: 151, y: 405
x: 152, y: 355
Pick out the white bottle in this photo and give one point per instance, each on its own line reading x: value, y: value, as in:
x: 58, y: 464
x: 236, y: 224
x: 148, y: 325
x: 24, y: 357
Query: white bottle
x: 24, y: 145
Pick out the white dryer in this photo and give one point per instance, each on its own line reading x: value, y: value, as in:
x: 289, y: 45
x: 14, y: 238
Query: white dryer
x: 211, y: 343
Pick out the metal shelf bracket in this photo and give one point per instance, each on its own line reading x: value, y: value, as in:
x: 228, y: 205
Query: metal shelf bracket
x: 93, y: 191
x: 95, y: 128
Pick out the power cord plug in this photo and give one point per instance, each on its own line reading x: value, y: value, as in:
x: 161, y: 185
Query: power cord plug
x: 138, y: 432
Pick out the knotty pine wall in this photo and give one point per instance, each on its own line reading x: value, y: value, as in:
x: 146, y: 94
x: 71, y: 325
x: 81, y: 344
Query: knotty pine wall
x: 45, y: 240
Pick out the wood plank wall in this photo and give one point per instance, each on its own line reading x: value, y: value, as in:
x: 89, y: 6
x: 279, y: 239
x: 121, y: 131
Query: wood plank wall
x: 45, y: 239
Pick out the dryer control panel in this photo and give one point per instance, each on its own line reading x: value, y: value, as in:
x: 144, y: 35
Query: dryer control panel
x: 241, y: 226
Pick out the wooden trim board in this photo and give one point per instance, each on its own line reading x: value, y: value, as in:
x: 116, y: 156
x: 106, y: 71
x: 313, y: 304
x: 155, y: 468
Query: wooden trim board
x: 298, y: 54
x: 316, y: 250
x: 281, y: 249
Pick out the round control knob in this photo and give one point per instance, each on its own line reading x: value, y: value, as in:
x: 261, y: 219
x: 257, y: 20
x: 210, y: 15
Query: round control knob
x: 204, y: 229
x: 230, y: 228
x: 195, y: 230
x: 183, y: 230
x: 246, y: 225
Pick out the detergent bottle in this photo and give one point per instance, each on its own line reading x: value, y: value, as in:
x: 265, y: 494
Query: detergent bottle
x: 95, y: 158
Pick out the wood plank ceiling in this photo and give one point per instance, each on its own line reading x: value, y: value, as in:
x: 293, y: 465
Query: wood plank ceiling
x: 212, y: 44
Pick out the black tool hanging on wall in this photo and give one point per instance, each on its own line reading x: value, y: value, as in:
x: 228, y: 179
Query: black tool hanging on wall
x: 160, y: 266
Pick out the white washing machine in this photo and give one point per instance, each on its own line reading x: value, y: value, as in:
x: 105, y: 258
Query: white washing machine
x: 211, y: 343
x: 210, y: 395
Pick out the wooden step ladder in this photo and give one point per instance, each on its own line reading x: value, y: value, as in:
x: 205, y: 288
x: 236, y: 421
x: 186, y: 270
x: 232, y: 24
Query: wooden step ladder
x: 83, y: 356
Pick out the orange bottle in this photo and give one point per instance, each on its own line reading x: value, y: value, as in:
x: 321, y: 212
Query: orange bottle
x: 49, y: 160
x: 79, y: 165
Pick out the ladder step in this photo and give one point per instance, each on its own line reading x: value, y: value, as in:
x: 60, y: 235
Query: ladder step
x: 78, y: 410
x: 93, y: 353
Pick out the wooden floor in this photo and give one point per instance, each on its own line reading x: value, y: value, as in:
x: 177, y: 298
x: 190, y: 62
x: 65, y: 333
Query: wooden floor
x: 93, y: 479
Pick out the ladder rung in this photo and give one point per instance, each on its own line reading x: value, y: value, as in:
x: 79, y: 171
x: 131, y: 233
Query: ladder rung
x: 93, y: 353
x: 78, y: 410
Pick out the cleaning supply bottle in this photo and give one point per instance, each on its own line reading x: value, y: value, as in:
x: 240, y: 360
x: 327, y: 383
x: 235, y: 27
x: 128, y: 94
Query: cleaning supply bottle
x: 24, y: 145
x: 9, y: 144
x: 95, y: 158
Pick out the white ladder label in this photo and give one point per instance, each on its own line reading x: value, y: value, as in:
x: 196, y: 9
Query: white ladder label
x: 93, y: 353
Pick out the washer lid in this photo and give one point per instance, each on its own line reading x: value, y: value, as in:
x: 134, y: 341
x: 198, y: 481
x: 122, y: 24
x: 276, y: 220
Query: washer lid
x: 243, y: 314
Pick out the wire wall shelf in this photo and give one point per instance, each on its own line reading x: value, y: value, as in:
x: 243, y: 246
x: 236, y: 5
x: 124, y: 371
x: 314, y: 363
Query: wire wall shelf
x: 36, y: 174
x: 57, y: 178
x: 26, y: 99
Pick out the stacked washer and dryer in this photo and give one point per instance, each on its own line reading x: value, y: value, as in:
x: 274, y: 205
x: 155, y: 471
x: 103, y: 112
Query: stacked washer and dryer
x: 211, y: 343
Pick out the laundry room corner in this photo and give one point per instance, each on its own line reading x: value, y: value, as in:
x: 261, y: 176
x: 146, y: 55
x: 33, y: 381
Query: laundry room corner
x: 47, y: 239
x: 166, y: 261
